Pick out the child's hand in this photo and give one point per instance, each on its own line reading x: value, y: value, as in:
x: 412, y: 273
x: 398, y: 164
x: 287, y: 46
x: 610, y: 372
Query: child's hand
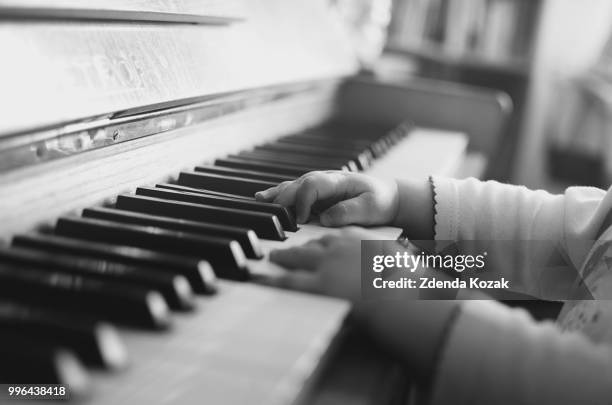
x: 329, y: 265
x: 348, y: 198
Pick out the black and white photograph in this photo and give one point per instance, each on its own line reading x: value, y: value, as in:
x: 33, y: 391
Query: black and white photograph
x: 306, y: 202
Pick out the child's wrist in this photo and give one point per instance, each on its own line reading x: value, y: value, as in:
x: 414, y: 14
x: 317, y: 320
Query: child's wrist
x: 415, y: 209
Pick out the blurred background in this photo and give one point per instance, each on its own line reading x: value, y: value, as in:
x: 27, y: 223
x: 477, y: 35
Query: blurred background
x: 547, y: 64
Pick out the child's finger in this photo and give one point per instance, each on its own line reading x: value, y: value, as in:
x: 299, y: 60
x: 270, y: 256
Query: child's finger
x: 267, y: 194
x: 310, y: 191
x: 328, y: 239
x: 272, y: 193
x: 316, y: 187
x: 287, y: 196
x: 305, y: 257
x: 298, y: 281
x: 352, y: 211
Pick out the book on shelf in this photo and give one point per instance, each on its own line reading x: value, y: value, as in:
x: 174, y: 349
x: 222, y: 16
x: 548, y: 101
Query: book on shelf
x: 494, y: 30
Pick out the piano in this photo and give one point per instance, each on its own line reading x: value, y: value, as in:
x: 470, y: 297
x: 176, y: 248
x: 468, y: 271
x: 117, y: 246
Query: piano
x: 133, y: 137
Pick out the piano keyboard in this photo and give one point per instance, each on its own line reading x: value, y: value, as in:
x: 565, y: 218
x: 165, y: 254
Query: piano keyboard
x: 151, y: 263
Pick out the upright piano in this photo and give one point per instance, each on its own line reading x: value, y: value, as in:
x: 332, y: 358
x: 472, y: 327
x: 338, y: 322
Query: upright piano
x: 133, y: 136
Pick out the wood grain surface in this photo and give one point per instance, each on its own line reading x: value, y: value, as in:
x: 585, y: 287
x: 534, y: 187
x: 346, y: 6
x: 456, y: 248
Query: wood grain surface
x: 56, y: 72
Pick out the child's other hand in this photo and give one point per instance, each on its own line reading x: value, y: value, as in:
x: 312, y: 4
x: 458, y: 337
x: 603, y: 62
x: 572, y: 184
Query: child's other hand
x: 329, y: 265
x: 347, y: 198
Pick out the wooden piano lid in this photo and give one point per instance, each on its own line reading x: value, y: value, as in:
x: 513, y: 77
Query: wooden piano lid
x: 68, y: 60
x: 174, y: 11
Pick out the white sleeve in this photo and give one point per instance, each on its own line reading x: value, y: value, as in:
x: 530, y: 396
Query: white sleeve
x: 474, y: 210
x: 497, y: 355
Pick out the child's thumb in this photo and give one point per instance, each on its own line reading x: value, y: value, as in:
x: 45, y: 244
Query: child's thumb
x: 352, y: 211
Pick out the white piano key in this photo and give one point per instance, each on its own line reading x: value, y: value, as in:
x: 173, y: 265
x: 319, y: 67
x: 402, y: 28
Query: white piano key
x: 248, y: 345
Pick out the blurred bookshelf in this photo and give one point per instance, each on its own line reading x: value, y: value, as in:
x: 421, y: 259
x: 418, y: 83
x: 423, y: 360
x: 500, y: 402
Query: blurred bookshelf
x: 467, y: 59
x: 491, y: 33
x: 487, y: 43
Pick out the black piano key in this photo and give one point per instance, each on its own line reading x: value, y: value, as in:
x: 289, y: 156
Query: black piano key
x: 225, y: 184
x: 197, y: 271
x: 360, y: 159
x: 346, y: 150
x: 174, y: 287
x: 202, y: 191
x: 386, y: 142
x: 329, y: 143
x: 248, y: 174
x: 353, y: 130
x: 301, y: 156
x: 225, y: 255
x: 299, y: 160
x: 377, y: 147
x: 348, y: 138
x: 235, y: 161
x: 344, y: 145
x: 27, y: 361
x: 127, y: 304
x: 265, y: 225
x: 247, y: 238
x: 356, y: 145
x: 96, y: 343
x: 400, y: 132
x: 284, y: 216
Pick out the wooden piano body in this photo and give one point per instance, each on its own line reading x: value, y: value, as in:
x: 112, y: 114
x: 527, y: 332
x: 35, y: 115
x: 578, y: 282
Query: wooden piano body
x: 101, y: 97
